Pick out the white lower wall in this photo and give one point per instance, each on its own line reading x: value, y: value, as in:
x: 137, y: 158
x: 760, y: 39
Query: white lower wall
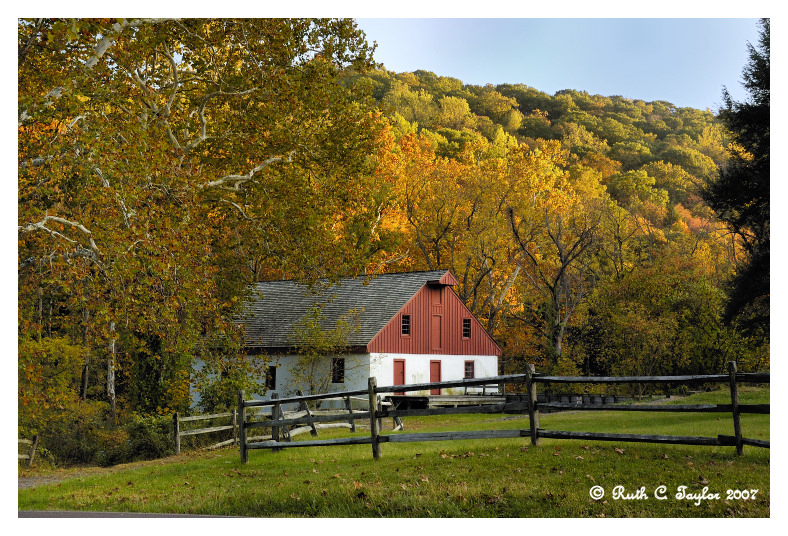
x: 417, y: 369
x: 356, y: 374
x: 360, y: 367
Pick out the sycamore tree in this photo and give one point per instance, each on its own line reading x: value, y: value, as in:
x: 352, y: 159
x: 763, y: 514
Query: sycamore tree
x: 163, y: 164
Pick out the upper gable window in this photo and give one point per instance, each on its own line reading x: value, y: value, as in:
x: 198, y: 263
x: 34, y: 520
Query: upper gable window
x: 466, y: 328
x: 406, y: 324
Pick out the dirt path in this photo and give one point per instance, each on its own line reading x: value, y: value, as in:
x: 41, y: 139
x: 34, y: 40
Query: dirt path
x: 30, y: 478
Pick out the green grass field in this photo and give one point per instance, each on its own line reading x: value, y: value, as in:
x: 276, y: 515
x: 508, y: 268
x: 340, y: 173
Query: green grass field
x: 473, y: 478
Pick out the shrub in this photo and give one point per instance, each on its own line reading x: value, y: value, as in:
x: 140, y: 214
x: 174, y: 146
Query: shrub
x: 75, y: 434
x: 148, y: 438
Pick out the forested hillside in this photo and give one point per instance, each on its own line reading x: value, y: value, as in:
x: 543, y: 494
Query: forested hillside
x: 166, y: 164
x: 575, y: 222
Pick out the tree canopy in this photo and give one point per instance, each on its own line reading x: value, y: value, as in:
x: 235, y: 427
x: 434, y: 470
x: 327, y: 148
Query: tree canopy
x: 165, y: 164
x: 740, y: 195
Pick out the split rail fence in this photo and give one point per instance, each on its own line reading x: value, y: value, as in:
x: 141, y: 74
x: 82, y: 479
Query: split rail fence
x: 526, y: 403
x: 310, y: 420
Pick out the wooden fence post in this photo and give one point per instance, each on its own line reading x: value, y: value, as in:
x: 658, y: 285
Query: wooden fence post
x: 379, y: 410
x: 735, y: 403
x: 176, y: 432
x: 276, y: 414
x: 533, y: 412
x: 373, y: 420
x: 304, y: 407
x: 235, y: 426
x: 242, y: 427
x: 33, y: 451
x: 349, y: 408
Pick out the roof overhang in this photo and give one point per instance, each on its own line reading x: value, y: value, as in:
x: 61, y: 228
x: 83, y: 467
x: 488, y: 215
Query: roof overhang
x: 447, y: 280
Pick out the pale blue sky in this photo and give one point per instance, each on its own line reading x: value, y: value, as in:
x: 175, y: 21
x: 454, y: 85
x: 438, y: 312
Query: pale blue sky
x: 683, y: 61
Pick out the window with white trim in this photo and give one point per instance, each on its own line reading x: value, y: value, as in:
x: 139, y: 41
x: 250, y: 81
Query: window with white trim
x: 466, y: 328
x: 406, y: 324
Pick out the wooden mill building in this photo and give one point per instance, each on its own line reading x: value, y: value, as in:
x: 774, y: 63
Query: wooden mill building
x: 409, y: 328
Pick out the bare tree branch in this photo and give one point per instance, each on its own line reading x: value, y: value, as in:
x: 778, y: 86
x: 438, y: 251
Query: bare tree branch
x: 234, y: 182
x: 42, y: 226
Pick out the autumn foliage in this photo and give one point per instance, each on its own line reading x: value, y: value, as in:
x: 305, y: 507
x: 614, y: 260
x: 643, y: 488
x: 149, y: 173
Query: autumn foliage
x: 166, y: 164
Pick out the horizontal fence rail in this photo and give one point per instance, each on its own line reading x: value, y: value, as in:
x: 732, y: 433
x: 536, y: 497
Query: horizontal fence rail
x: 518, y: 404
x: 178, y: 433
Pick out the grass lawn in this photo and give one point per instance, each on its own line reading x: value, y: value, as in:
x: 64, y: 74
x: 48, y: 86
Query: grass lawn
x: 473, y: 478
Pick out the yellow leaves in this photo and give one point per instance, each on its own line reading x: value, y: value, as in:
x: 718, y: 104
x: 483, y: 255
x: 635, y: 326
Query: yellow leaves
x: 739, y: 151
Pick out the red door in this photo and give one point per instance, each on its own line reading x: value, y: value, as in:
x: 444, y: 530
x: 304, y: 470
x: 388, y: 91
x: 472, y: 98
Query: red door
x: 435, y: 375
x: 399, y: 373
x: 436, y: 334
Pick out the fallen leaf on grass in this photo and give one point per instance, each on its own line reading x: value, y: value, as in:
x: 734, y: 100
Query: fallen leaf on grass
x: 424, y: 478
x: 579, y: 458
x: 358, y: 485
x: 620, y: 451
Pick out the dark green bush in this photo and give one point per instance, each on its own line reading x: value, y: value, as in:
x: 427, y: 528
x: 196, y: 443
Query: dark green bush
x: 84, y: 434
x: 149, y: 438
x: 77, y: 433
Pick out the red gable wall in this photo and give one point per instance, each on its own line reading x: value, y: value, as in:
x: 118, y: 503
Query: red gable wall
x: 436, y: 315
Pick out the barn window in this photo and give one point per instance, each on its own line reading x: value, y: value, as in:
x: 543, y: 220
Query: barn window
x: 270, y: 378
x: 469, y: 370
x: 466, y: 328
x: 338, y: 370
x: 406, y: 324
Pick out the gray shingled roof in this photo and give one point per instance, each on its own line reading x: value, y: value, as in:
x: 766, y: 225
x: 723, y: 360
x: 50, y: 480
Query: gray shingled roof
x: 277, y: 306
